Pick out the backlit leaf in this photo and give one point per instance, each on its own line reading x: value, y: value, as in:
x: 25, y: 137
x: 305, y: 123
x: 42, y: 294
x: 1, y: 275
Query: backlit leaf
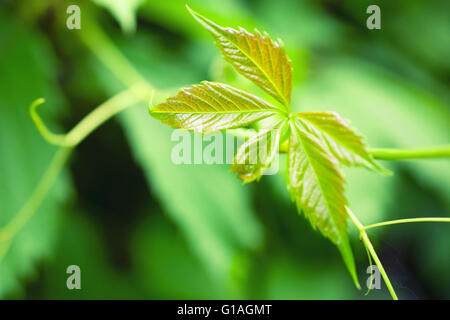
x: 317, y: 185
x: 255, y: 56
x: 257, y: 153
x: 209, y: 107
x: 340, y: 139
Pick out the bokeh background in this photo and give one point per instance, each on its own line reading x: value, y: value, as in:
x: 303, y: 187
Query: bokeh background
x: 141, y: 227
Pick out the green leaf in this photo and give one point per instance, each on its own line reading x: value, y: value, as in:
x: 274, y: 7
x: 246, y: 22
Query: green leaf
x: 102, y: 280
x: 390, y: 109
x: 28, y: 70
x: 255, y: 56
x: 257, y: 153
x: 189, y: 195
x: 340, y: 139
x: 209, y: 107
x: 123, y: 11
x: 317, y: 185
x: 288, y: 276
x: 179, y: 273
x: 193, y: 197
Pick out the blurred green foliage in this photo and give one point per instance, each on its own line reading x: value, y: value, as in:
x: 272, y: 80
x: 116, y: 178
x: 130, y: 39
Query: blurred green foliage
x: 28, y: 69
x: 141, y: 227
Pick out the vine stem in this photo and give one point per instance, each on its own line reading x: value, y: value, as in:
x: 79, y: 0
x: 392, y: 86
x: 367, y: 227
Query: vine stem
x: 138, y: 90
x: 94, y: 119
x: 368, y: 244
x: 108, y: 53
x: 66, y: 142
x: 8, y: 232
x: 442, y: 151
x: 398, y: 221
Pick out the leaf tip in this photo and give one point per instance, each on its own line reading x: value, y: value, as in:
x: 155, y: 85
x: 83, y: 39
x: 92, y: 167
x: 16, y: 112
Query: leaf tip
x: 201, y: 19
x: 189, y: 9
x: 356, y: 282
x: 280, y: 43
x: 347, y: 256
x: 194, y: 14
x: 384, y: 171
x: 150, y: 103
x: 374, y: 166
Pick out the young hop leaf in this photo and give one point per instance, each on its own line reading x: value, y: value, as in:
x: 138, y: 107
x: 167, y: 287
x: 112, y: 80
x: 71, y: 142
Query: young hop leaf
x: 209, y: 107
x: 257, y: 153
x: 340, y: 139
x: 317, y: 185
x: 318, y: 141
x: 254, y: 56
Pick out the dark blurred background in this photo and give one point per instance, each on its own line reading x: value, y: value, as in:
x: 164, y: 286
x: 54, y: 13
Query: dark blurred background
x: 141, y: 227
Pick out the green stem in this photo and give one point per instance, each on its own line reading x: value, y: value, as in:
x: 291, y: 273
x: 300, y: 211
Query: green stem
x: 93, y: 120
x: 369, y: 246
x: 386, y: 223
x: 138, y: 90
x: 106, y: 51
x: 67, y: 142
x: 416, y: 153
x: 400, y: 154
x: 8, y: 232
x: 371, y: 270
x: 50, y: 137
